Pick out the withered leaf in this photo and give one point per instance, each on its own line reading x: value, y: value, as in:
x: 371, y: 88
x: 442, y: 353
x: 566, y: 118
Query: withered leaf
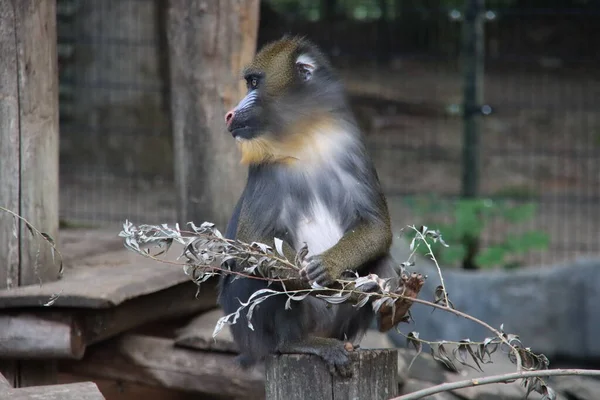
x: 440, y: 354
x: 337, y: 298
x: 413, y: 339
x: 279, y: 247
x: 364, y: 300
x: 48, y: 238
x: 52, y: 299
x: 463, y: 351
x: 548, y: 392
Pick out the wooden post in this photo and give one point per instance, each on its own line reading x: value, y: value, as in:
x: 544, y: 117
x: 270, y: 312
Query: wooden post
x: 28, y: 156
x: 300, y: 377
x: 209, y: 42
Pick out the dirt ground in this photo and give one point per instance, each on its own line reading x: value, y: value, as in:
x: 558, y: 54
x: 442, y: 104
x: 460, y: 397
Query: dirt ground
x: 542, y: 142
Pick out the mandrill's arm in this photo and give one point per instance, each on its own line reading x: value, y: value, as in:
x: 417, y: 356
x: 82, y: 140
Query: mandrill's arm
x: 367, y: 241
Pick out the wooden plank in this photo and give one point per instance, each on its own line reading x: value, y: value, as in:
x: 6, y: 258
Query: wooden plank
x: 83, y: 246
x: 116, y: 389
x: 29, y: 336
x: 9, y: 162
x: 9, y: 148
x: 157, y: 362
x: 99, y: 286
x: 38, y: 122
x: 300, y: 376
x: 174, y: 302
x: 60, y: 333
x: 197, y: 334
x: 29, y: 155
x: 72, y: 391
x: 220, y: 36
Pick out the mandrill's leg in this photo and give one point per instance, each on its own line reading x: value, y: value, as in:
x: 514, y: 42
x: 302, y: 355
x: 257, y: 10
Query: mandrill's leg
x: 334, y: 352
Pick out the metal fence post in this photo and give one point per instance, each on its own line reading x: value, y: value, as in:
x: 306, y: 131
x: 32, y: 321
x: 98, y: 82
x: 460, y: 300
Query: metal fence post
x: 473, y: 70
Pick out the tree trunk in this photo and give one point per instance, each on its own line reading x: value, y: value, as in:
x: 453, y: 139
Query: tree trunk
x: 209, y: 42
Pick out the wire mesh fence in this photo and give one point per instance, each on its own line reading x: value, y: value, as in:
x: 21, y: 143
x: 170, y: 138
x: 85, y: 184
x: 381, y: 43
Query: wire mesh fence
x: 401, y: 62
x: 116, y: 157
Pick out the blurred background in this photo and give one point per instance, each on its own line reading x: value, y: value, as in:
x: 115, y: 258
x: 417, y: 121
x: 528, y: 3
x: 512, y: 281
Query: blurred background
x: 481, y: 116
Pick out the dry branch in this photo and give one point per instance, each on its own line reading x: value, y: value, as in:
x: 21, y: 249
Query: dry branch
x: 207, y: 254
x: 503, y: 378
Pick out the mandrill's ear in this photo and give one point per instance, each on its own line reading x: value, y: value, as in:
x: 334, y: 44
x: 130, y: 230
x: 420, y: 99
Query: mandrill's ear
x: 305, y: 65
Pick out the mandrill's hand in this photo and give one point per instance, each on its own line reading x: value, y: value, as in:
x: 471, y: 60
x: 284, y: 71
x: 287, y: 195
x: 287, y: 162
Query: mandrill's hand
x: 316, y: 270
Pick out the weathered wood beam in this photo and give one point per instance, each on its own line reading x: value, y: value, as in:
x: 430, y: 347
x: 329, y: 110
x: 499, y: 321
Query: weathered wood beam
x: 30, y: 336
x: 299, y: 376
x: 117, y: 389
x: 9, y: 148
x: 156, y: 361
x: 28, y: 155
x: 99, y: 286
x: 64, y: 333
x: 71, y: 391
x: 197, y: 334
x: 177, y: 301
x: 209, y: 42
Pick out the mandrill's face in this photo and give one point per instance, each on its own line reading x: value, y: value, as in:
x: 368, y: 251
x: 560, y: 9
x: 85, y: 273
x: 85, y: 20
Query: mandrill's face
x: 292, y: 92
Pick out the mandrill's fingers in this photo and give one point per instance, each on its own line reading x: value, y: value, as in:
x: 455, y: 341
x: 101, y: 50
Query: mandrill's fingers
x: 323, y: 280
x: 315, y: 271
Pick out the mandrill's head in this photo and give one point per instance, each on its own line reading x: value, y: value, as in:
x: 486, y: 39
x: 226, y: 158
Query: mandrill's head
x: 295, y: 106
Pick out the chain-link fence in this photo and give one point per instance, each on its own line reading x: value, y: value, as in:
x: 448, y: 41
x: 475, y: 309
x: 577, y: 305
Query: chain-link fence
x: 403, y: 63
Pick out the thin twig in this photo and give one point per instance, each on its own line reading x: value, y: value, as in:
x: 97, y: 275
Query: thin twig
x: 47, y: 238
x: 502, y: 378
x: 437, y: 265
x: 447, y: 307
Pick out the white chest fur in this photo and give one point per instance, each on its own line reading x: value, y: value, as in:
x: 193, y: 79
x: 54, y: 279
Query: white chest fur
x: 318, y: 228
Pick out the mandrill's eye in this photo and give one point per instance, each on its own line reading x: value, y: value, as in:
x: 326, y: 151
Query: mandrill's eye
x: 252, y: 83
x: 304, y: 72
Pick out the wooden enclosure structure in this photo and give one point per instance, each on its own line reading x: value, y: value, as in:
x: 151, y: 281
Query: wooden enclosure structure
x: 135, y: 327
x: 50, y: 317
x: 28, y: 156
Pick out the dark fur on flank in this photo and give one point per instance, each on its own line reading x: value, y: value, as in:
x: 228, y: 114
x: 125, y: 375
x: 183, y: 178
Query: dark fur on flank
x: 339, y: 188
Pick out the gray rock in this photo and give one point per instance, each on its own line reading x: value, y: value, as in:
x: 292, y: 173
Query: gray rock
x: 376, y: 340
x: 423, y: 368
x: 576, y: 387
x: 494, y: 391
x: 412, y: 385
x: 552, y: 309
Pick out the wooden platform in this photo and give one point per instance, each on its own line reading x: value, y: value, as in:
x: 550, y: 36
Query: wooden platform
x: 105, y: 290
x: 102, y: 276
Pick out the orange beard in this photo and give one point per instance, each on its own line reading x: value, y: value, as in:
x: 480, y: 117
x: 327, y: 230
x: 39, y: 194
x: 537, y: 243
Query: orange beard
x: 303, y: 142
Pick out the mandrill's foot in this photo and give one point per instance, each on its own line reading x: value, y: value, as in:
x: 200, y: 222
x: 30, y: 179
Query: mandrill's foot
x: 338, y: 360
x: 389, y: 316
x: 334, y: 352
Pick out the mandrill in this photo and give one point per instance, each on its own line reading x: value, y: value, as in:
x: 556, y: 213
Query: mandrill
x: 310, y: 181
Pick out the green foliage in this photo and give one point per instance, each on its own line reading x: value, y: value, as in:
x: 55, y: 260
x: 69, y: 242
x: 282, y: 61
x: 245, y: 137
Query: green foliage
x: 463, y: 222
